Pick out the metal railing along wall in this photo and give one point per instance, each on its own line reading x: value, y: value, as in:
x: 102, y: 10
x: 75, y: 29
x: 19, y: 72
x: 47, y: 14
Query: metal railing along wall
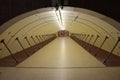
x: 86, y: 43
x: 42, y: 41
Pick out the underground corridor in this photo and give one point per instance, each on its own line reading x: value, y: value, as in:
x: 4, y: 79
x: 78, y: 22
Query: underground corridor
x: 60, y: 44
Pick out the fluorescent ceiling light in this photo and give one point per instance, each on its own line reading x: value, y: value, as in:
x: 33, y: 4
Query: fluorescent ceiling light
x: 59, y: 17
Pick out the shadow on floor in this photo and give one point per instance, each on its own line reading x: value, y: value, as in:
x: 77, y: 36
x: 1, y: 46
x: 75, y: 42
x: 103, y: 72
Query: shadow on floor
x: 98, y: 53
x: 21, y: 56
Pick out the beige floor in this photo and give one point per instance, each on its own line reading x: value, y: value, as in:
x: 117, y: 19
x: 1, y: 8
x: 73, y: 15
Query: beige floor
x: 106, y: 73
x: 62, y: 52
x: 62, y: 59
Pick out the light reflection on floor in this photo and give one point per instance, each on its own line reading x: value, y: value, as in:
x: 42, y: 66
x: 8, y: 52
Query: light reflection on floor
x: 62, y: 59
x: 62, y: 52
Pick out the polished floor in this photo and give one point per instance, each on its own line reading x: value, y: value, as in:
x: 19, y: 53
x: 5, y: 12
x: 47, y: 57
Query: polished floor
x: 109, y: 73
x: 62, y: 59
x: 62, y: 52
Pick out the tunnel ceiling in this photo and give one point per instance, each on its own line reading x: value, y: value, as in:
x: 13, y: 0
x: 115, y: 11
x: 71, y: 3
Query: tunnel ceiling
x: 32, y: 18
x: 45, y: 21
x: 12, y: 8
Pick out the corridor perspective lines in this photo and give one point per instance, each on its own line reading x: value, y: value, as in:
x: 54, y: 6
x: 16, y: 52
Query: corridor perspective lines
x: 62, y: 52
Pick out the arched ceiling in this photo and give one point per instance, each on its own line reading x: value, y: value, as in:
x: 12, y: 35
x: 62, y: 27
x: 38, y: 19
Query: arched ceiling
x: 45, y: 21
x: 76, y: 20
x: 12, y: 8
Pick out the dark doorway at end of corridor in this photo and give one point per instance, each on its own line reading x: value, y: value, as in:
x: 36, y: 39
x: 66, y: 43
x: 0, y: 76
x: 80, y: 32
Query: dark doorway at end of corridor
x: 63, y: 33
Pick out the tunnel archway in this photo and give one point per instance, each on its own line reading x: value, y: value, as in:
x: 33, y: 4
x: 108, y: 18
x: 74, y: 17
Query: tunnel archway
x: 44, y: 22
